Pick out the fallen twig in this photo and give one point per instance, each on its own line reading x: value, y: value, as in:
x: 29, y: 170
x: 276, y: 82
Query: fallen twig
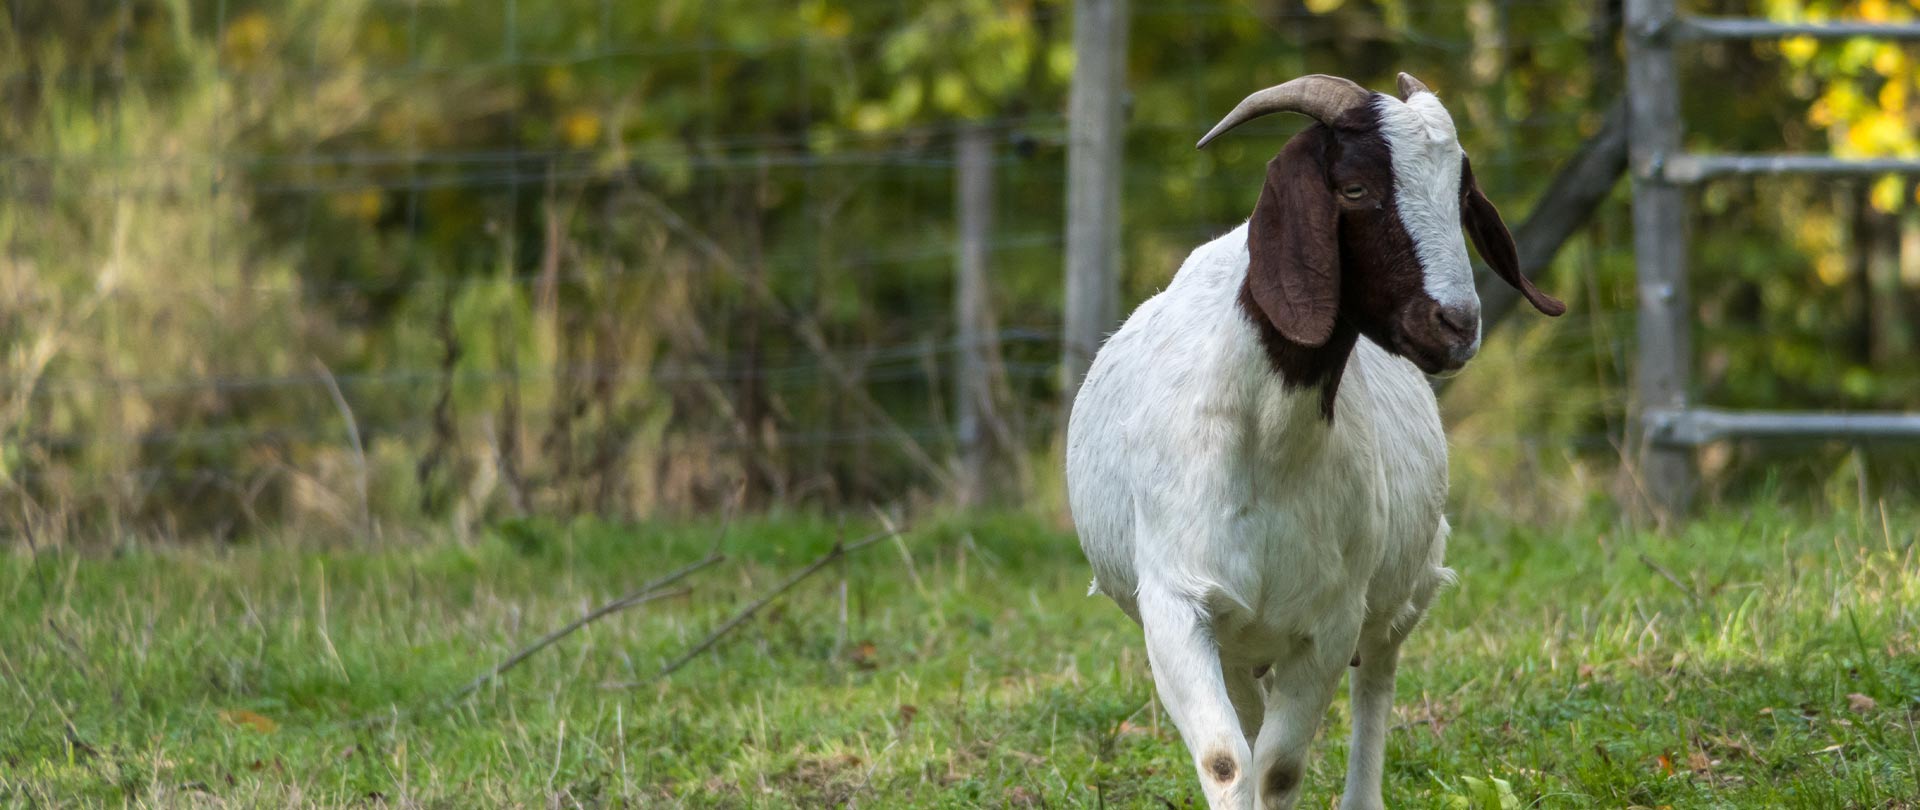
x: 359, y: 450
x: 855, y: 793
x: 641, y: 595
x: 839, y: 550
x: 638, y: 596
x: 1669, y: 576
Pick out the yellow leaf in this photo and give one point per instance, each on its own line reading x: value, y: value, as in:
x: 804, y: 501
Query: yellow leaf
x: 1846, y: 100
x: 365, y: 205
x: 580, y: 128
x: 949, y: 91
x: 247, y: 38
x: 1323, y: 6
x: 836, y: 24
x: 1893, y: 95
x: 1887, y: 194
x: 1831, y: 269
x: 870, y: 117
x: 241, y: 718
x: 1880, y: 133
x: 1889, y: 60
x: 1799, y: 49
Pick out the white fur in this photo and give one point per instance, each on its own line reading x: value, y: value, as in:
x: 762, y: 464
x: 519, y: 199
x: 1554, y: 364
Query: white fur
x: 1426, y: 177
x: 1221, y: 511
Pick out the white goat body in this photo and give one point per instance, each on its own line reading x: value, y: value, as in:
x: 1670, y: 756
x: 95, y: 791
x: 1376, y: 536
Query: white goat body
x: 1211, y: 494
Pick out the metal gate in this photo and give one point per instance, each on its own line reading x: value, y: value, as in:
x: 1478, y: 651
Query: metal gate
x: 1671, y: 427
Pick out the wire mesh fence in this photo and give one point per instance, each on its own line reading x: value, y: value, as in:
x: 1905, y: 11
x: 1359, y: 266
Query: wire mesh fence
x: 274, y: 262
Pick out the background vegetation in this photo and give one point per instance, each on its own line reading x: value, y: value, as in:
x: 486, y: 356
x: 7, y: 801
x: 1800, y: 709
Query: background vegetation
x: 361, y: 267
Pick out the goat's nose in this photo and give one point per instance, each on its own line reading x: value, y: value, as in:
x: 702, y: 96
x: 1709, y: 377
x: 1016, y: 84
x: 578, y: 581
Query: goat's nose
x: 1462, y: 322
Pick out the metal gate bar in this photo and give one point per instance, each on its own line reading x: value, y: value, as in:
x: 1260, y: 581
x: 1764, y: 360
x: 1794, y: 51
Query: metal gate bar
x: 1697, y: 426
x: 1725, y: 28
x: 1694, y: 168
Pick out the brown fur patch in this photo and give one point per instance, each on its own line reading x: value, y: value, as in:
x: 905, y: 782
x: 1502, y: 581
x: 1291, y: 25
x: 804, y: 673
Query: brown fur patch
x: 1282, y: 778
x: 1221, y: 767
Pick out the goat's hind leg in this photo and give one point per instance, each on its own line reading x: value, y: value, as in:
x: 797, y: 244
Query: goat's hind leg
x: 1249, y: 703
x: 1372, y: 697
x: 1186, y: 671
x: 1298, y: 692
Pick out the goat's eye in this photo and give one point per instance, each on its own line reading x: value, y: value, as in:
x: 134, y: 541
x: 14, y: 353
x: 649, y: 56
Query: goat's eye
x: 1353, y: 191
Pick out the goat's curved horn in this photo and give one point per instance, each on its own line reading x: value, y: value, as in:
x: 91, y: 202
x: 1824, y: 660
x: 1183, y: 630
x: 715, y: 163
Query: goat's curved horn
x: 1410, y: 85
x: 1323, y: 97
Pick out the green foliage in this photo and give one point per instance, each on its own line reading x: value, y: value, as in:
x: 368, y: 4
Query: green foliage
x: 583, y: 256
x: 1491, y: 793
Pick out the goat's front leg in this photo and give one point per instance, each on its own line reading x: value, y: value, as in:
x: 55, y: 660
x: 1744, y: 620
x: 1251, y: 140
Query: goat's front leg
x: 1186, y: 671
x: 1298, y: 692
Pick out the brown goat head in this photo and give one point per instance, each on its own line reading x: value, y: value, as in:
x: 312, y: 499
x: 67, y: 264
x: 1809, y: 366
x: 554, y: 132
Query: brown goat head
x: 1358, y: 231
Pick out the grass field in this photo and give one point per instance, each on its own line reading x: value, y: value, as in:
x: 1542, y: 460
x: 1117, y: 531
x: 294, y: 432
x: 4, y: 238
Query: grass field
x: 1759, y: 659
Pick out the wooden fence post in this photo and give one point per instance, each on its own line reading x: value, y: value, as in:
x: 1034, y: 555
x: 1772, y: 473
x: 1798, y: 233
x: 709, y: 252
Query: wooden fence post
x: 1659, y: 249
x: 973, y: 313
x: 1096, y: 136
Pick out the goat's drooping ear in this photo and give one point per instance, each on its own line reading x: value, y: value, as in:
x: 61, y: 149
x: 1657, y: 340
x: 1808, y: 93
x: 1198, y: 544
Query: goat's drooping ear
x: 1293, y: 243
x: 1495, y: 244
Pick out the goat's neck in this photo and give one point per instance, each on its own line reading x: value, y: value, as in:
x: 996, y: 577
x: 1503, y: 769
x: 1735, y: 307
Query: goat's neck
x: 1300, y: 366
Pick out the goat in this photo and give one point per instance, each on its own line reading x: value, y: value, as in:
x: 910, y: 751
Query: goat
x: 1265, y: 533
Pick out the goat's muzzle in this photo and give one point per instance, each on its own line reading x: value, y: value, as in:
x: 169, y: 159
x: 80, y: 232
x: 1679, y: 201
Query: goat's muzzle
x: 1439, y: 338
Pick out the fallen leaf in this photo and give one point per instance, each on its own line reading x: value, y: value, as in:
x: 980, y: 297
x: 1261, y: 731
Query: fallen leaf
x: 908, y: 711
x: 1861, y: 704
x: 1722, y: 745
x: 1665, y: 763
x: 863, y: 655
x: 241, y: 718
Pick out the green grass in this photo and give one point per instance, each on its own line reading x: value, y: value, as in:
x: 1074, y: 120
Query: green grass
x: 977, y: 675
